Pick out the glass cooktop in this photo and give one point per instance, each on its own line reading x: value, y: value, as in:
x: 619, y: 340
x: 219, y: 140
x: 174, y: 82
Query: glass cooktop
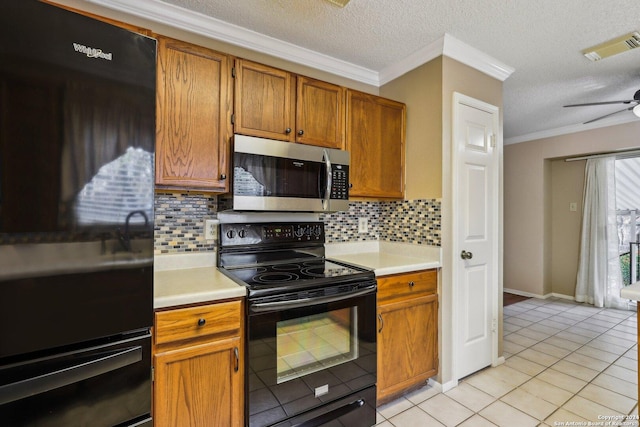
x: 280, y: 274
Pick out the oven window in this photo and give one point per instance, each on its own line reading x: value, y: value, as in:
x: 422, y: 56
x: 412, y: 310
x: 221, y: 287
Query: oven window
x: 311, y: 343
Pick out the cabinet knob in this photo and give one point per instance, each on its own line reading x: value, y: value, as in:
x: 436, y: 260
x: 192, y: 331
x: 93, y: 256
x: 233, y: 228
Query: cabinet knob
x: 300, y: 132
x: 287, y: 131
x: 223, y: 176
x: 411, y: 283
x: 202, y: 321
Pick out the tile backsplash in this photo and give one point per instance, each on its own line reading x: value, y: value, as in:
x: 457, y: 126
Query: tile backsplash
x: 179, y: 221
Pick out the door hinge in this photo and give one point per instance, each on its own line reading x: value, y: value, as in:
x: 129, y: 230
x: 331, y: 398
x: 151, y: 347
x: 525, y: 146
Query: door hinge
x: 153, y: 374
x: 492, y: 141
x: 233, y: 119
x: 233, y: 72
x: 494, y: 326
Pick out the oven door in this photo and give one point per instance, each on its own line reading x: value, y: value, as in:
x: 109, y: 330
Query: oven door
x: 303, y: 358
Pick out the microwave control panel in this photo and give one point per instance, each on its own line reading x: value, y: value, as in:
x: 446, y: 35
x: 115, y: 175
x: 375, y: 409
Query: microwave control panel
x: 340, y: 182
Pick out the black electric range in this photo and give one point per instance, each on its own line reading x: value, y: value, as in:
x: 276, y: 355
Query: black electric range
x: 311, y: 326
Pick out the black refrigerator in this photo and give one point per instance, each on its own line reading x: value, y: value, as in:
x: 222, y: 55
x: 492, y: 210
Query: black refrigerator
x: 77, y: 139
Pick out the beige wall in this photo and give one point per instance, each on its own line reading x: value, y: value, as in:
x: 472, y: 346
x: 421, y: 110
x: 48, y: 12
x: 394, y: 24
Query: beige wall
x: 218, y: 45
x: 528, y: 244
x: 421, y: 90
x: 567, y: 182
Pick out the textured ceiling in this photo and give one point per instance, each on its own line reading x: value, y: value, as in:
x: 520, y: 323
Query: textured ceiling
x: 540, y: 39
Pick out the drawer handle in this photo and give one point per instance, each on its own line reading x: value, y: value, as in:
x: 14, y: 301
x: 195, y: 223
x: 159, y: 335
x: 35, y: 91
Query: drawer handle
x: 201, y: 322
x: 411, y: 283
x: 381, y: 323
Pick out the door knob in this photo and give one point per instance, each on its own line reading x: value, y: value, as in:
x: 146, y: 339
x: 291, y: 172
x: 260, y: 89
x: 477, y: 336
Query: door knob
x: 466, y: 255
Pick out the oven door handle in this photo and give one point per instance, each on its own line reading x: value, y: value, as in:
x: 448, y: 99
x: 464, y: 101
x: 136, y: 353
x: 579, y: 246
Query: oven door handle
x: 305, y: 302
x: 73, y: 374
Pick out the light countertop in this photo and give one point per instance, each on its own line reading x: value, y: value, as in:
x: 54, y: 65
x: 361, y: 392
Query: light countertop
x: 181, y: 279
x: 386, y: 258
x: 631, y: 292
x: 190, y: 278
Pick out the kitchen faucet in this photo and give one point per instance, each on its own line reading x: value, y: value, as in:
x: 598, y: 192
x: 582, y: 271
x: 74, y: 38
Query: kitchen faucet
x: 125, y: 238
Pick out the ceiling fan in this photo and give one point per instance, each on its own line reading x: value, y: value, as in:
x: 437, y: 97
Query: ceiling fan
x: 635, y: 107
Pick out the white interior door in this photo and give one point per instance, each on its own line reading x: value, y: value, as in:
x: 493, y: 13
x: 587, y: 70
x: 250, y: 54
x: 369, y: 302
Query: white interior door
x: 475, y: 228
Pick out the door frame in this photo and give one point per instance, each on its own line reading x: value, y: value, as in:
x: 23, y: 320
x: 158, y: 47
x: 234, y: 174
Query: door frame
x: 460, y: 99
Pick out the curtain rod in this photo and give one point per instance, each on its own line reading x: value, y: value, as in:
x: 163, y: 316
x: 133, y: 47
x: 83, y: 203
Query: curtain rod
x: 616, y: 154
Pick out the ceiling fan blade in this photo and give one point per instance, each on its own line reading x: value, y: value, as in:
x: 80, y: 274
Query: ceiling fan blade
x: 602, y: 103
x: 607, y: 115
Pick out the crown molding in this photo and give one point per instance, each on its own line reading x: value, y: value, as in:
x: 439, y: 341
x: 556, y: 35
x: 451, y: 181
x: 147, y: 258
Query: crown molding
x: 207, y: 26
x: 468, y: 55
x: 416, y: 59
x: 569, y: 129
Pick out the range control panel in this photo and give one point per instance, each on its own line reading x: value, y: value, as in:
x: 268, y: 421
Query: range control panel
x: 265, y: 233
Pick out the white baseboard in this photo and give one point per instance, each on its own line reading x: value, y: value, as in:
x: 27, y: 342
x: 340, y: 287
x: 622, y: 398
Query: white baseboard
x: 448, y: 386
x: 526, y: 294
x: 499, y: 361
x: 562, y: 296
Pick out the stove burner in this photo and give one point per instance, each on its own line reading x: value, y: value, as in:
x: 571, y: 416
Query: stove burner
x: 275, y: 277
x: 286, y: 267
x: 317, y: 271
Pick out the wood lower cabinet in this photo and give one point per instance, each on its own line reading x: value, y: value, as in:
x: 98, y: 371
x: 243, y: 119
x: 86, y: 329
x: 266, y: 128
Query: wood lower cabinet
x: 198, y: 366
x: 376, y: 141
x: 276, y: 104
x: 193, y: 117
x: 407, y: 332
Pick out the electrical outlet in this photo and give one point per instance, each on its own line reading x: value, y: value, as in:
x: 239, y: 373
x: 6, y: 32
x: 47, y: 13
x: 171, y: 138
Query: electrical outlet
x: 211, y: 229
x: 573, y: 207
x: 363, y: 225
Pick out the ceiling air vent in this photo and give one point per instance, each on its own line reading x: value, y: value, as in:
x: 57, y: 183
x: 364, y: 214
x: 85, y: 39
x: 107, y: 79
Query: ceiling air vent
x: 613, y: 47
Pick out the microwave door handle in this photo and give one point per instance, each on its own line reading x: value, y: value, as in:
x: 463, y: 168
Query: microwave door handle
x: 327, y: 192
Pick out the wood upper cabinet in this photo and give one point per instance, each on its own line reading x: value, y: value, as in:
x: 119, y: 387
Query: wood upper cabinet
x: 376, y: 141
x: 199, y: 369
x: 276, y: 104
x: 320, y: 113
x: 193, y: 116
x: 407, y: 332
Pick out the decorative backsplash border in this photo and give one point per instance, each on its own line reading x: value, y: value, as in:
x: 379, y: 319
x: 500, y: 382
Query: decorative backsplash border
x: 179, y: 221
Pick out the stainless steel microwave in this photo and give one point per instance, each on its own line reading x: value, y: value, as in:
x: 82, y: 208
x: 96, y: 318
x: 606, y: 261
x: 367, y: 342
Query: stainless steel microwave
x: 271, y: 175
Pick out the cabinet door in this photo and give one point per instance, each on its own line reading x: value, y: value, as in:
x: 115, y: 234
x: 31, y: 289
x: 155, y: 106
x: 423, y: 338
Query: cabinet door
x: 193, y: 117
x: 199, y: 385
x: 407, y: 345
x: 264, y: 101
x: 375, y: 139
x: 320, y: 113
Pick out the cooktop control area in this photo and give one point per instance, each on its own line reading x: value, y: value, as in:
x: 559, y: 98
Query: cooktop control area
x: 251, y: 234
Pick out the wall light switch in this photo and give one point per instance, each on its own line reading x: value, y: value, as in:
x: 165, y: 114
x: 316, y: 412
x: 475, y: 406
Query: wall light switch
x: 211, y: 229
x: 363, y: 225
x: 573, y: 207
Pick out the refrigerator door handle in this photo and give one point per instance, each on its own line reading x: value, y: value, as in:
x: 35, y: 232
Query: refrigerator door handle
x: 101, y: 364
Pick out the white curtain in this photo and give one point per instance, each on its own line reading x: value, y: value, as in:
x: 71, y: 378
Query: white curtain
x: 599, y: 276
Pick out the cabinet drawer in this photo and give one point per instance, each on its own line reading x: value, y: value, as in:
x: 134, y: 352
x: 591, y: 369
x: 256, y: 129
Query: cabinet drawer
x: 195, y: 322
x: 407, y: 285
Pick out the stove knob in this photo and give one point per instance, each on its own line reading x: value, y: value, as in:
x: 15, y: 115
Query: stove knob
x: 317, y: 230
x: 242, y: 234
x: 231, y: 234
x: 299, y: 231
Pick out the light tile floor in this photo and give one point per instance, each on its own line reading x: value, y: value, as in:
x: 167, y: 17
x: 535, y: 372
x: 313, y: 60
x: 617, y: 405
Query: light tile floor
x: 566, y: 364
